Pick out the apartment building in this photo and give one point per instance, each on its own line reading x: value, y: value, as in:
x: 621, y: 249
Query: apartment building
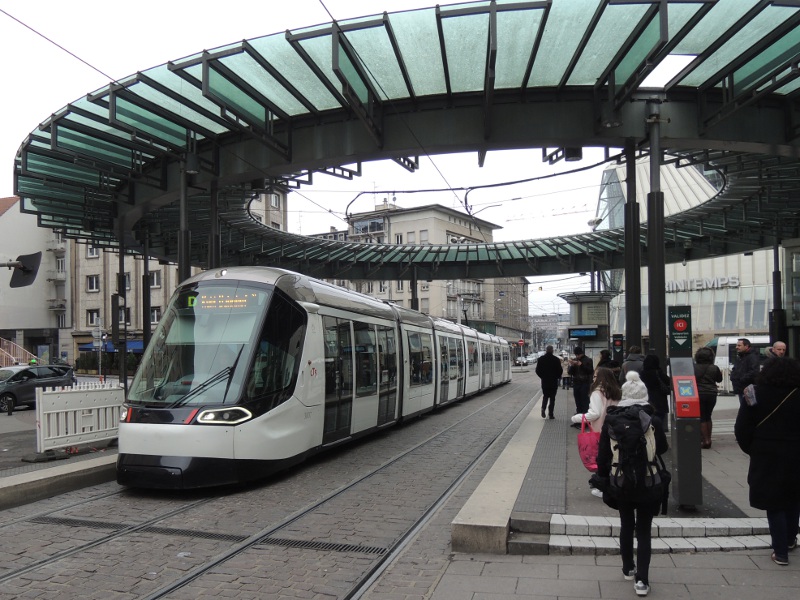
x: 498, y: 306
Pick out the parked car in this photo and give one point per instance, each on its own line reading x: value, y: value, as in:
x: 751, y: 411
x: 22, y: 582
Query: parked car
x: 521, y: 361
x: 18, y: 383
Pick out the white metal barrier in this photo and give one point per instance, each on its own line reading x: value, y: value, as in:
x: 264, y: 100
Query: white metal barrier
x: 85, y: 413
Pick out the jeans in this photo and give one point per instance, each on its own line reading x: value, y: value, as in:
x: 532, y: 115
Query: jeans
x: 639, y: 518
x: 783, y: 529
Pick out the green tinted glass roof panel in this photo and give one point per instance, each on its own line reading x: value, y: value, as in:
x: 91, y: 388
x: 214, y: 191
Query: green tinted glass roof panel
x: 782, y: 51
x: 147, y: 122
x: 613, y: 30
x: 466, y: 40
x: 374, y: 50
x: 550, y: 65
x: 248, y: 69
x: 280, y: 54
x: 516, y: 35
x: 184, y: 89
x: 749, y: 35
x: 236, y: 99
x: 60, y: 169
x: 352, y: 76
x: 647, y: 43
x: 418, y: 40
x: 321, y: 52
x: 721, y: 17
x: 78, y: 142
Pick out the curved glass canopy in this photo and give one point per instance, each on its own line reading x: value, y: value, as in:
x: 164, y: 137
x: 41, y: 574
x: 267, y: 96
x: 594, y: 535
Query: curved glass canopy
x: 271, y: 112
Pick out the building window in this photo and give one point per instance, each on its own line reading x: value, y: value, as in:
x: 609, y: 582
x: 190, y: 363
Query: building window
x: 411, y: 236
x: 155, y: 314
x: 399, y: 285
x: 93, y: 283
x: 61, y: 265
x: 61, y: 320
x: 425, y: 305
x: 423, y: 236
x: 257, y: 217
x: 398, y: 238
x: 368, y: 287
x: 424, y: 286
x: 382, y: 287
x: 124, y: 315
x: 93, y: 317
x: 274, y: 201
x: 92, y: 252
x: 127, y: 280
x: 276, y: 225
x: 155, y: 279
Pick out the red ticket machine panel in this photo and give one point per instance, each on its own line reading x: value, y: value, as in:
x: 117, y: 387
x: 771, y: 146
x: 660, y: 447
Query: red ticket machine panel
x: 687, y: 401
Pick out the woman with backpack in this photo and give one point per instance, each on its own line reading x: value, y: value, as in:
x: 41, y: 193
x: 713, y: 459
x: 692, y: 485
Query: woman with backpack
x: 766, y: 429
x: 707, y: 375
x: 626, y: 471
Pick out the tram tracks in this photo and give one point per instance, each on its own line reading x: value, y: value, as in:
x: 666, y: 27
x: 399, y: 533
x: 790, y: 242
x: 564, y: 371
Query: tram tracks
x: 295, y: 534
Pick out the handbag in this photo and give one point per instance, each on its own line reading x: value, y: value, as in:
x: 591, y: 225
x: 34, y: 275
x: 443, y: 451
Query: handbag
x: 588, y: 443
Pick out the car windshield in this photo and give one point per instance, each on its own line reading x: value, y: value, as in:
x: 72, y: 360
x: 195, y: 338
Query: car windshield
x: 5, y: 374
x: 198, y: 351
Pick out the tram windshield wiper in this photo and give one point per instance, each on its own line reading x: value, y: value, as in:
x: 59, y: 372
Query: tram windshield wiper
x: 227, y: 372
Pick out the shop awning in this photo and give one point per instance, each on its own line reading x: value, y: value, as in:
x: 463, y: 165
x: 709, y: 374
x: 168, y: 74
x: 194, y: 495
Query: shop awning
x: 133, y: 346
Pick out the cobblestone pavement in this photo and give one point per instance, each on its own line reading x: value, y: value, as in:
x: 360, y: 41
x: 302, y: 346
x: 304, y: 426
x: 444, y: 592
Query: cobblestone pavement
x: 373, y: 515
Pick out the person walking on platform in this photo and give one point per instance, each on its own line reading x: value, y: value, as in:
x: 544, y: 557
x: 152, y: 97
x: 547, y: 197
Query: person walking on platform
x: 582, y: 370
x: 707, y: 375
x: 634, y: 361
x: 745, y: 369
x: 766, y: 429
x: 636, y: 505
x: 549, y: 370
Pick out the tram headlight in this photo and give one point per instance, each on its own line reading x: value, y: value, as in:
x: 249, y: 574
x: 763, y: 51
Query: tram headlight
x: 224, y: 416
x: 123, y: 414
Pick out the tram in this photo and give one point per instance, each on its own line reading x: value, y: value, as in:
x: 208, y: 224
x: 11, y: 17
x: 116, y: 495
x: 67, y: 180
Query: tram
x: 254, y: 369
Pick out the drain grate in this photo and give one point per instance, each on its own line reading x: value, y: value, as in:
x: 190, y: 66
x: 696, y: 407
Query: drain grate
x: 206, y: 535
x: 78, y: 523
x: 322, y: 546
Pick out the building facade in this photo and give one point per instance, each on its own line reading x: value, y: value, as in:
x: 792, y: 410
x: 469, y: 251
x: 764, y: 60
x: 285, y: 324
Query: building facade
x: 498, y: 306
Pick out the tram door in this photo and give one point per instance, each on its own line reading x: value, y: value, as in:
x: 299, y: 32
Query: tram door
x: 338, y: 379
x: 457, y: 357
x: 444, y: 374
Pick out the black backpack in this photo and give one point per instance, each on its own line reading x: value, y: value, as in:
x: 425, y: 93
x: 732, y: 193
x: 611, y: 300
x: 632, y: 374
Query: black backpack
x: 638, y: 473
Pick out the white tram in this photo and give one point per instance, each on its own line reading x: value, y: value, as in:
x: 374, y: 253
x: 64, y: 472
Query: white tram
x: 253, y: 369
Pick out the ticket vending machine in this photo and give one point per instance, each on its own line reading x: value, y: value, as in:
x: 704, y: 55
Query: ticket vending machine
x: 687, y: 476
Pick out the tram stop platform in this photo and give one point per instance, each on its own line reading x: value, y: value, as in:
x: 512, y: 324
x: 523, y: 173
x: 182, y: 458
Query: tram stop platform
x: 535, y: 499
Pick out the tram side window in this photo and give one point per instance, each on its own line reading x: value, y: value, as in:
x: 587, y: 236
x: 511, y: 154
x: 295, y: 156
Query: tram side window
x: 472, y: 357
x: 366, y: 359
x: 497, y: 363
x: 419, y: 347
x: 387, y: 355
x: 278, y: 353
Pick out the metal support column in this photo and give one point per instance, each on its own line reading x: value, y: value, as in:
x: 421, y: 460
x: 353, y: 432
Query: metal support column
x: 122, y: 346
x: 633, y: 259
x: 184, y: 235
x: 656, y: 278
x: 146, y: 305
x: 777, y: 322
x: 414, y: 295
x: 214, y: 245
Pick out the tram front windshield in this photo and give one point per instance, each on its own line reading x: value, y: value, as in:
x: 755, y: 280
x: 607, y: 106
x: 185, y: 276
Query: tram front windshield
x: 200, y: 349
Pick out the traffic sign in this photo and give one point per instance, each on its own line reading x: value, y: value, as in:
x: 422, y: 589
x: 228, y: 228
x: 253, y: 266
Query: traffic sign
x: 521, y: 342
x: 680, y: 331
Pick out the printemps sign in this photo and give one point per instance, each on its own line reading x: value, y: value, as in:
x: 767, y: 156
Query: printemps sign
x: 702, y: 283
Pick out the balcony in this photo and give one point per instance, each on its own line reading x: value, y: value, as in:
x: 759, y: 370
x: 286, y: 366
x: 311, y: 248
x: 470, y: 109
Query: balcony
x: 58, y: 304
x: 53, y: 275
x: 57, y: 247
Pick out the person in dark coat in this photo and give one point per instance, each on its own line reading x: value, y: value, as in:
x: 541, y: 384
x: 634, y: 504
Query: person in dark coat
x: 549, y: 370
x: 633, y: 362
x: 581, y: 368
x: 745, y: 369
x: 707, y: 375
x: 608, y: 363
x: 766, y: 429
x: 658, y: 386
